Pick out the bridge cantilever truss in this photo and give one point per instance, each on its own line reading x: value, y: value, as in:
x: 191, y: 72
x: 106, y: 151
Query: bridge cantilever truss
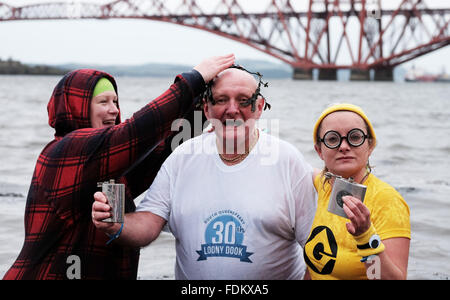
x: 323, y: 34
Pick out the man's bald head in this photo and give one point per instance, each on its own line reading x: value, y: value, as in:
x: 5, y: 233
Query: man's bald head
x: 233, y: 75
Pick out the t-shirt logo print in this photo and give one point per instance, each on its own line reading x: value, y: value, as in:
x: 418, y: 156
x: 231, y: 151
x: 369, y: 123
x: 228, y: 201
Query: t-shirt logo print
x: 224, y: 235
x: 320, y: 250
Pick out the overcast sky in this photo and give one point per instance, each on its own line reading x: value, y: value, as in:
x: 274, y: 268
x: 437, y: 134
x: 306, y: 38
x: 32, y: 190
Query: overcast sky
x: 136, y: 42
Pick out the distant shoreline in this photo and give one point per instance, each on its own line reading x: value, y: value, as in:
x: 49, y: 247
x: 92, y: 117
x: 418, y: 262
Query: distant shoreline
x: 13, y: 67
x: 270, y: 70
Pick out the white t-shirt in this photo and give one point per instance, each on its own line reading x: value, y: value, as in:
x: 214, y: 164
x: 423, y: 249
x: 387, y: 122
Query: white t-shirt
x: 245, y: 221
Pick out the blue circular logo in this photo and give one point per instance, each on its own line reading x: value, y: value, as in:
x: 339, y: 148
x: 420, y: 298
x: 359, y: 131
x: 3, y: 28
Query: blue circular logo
x: 224, y: 229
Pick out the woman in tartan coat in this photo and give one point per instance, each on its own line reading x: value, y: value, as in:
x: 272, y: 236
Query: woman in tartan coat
x: 92, y: 145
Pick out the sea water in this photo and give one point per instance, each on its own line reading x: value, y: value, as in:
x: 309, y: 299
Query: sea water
x: 411, y: 120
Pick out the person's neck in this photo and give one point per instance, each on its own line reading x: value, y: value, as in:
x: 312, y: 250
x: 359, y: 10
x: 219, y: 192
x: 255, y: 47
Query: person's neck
x: 359, y: 177
x: 238, y: 152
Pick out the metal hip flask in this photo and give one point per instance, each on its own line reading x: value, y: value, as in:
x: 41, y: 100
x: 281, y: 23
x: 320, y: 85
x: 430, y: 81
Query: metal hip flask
x: 341, y: 188
x: 115, y: 193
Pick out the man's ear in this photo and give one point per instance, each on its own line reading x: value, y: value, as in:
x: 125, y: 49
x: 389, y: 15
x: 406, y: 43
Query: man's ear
x: 206, y: 109
x: 260, y: 101
x: 261, y: 104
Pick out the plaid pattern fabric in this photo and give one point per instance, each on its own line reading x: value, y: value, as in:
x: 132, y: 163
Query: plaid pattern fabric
x: 58, y: 209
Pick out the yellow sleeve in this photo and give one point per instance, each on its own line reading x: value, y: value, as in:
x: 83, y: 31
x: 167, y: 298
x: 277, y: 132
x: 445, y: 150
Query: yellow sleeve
x: 390, y: 214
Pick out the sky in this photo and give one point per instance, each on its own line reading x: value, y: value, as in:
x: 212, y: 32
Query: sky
x: 132, y: 42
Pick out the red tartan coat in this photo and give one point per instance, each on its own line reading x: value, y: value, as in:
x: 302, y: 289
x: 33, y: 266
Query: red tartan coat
x: 58, y: 209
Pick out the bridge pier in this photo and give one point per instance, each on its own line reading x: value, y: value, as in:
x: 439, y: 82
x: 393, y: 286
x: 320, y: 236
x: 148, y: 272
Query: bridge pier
x: 359, y: 75
x: 384, y: 74
x: 327, y: 74
x: 302, y: 74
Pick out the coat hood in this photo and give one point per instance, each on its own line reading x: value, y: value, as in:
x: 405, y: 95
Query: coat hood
x: 69, y: 106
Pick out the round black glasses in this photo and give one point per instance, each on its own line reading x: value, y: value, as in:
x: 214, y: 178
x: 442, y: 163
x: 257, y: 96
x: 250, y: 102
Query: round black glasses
x: 355, y: 137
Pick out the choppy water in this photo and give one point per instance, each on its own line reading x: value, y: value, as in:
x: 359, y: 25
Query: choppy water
x: 412, y: 123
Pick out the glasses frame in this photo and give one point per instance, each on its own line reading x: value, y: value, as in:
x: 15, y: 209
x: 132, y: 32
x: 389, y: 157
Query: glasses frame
x: 365, y: 136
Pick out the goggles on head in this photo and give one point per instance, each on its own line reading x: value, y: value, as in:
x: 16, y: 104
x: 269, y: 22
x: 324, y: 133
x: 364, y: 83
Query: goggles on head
x: 208, y: 96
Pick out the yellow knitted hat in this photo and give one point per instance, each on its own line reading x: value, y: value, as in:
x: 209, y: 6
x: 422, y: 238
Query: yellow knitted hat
x: 345, y: 107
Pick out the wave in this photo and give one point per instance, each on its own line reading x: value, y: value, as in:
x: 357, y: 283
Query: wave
x: 12, y: 198
x: 425, y: 227
x: 398, y: 146
x: 393, y: 160
x: 438, y: 116
x: 439, y: 182
x: 446, y: 150
x: 11, y: 192
x: 407, y: 189
x: 12, y: 195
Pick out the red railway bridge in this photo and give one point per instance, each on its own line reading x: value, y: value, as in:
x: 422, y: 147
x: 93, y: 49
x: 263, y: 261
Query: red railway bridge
x: 328, y: 35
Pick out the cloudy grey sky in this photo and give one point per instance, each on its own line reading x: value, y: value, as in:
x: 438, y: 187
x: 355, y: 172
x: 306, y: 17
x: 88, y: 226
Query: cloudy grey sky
x: 138, y: 41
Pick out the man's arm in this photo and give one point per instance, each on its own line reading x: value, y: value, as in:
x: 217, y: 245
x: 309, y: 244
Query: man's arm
x: 139, y: 228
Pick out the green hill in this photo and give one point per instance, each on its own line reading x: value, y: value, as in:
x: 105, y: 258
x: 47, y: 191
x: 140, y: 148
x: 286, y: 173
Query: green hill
x: 14, y: 67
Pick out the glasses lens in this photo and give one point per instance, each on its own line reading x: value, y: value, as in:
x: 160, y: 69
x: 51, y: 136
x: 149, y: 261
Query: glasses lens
x: 356, y: 137
x: 332, y: 139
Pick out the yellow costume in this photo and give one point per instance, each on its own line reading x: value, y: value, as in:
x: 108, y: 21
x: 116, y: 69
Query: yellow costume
x: 330, y: 252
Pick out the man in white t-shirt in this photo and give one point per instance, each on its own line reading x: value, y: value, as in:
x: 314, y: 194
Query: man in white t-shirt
x: 239, y: 202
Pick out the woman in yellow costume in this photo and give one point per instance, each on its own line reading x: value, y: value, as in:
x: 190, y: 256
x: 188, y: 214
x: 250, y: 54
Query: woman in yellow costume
x: 372, y: 241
